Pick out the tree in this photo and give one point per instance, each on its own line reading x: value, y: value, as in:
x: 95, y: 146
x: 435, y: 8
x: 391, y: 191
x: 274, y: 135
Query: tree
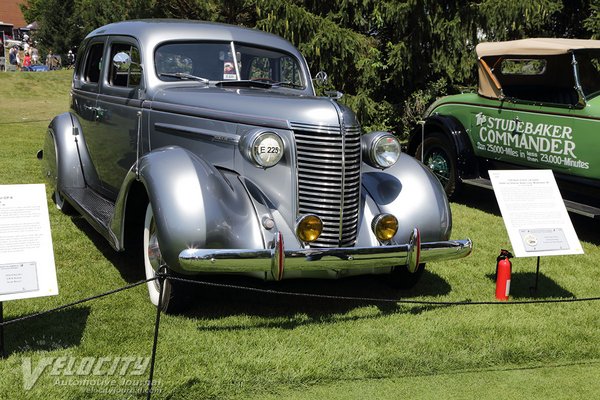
x: 389, y: 57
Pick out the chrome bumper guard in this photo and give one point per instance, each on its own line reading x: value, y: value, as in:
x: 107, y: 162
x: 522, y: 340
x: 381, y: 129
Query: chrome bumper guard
x: 278, y: 260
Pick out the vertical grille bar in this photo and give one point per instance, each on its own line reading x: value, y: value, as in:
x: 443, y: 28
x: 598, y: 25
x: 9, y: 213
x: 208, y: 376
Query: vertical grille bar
x: 329, y: 180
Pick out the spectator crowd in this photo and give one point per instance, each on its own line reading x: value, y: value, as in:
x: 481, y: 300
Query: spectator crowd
x: 26, y: 57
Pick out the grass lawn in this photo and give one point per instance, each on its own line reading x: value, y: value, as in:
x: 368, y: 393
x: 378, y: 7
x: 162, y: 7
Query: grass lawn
x: 242, y: 345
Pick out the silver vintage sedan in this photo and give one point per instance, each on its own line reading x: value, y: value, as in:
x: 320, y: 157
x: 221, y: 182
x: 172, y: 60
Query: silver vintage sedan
x: 205, y: 145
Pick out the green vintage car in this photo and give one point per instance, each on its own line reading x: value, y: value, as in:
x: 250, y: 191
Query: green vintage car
x: 537, y: 106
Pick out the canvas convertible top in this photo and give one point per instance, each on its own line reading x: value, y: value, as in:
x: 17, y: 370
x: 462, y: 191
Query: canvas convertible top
x: 534, y: 46
x: 557, y: 76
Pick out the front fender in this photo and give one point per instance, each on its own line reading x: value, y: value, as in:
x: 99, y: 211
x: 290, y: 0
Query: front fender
x: 195, y: 205
x: 456, y: 133
x: 409, y: 191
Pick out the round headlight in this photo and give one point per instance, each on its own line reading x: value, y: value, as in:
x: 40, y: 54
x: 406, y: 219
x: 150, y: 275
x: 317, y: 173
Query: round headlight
x: 385, y: 226
x: 309, y: 228
x: 385, y: 150
x: 267, y: 149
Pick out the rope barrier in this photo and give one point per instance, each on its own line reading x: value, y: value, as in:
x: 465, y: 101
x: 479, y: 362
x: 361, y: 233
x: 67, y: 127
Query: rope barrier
x: 300, y: 294
x: 25, y: 121
x: 380, y: 300
x: 39, y: 314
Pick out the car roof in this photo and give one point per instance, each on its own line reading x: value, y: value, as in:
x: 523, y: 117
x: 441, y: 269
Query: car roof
x: 153, y: 31
x: 535, y: 46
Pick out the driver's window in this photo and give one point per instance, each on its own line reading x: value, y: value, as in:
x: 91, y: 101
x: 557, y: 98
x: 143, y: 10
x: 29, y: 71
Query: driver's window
x: 127, y: 72
x: 589, y: 73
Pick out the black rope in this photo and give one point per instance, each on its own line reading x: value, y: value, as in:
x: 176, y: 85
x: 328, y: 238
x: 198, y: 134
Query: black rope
x: 25, y: 121
x: 379, y: 300
x: 38, y: 314
x: 161, y: 287
x: 310, y: 295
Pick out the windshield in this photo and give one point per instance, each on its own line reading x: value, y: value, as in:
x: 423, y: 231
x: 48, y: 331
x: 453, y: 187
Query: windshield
x: 224, y: 61
x: 588, y: 65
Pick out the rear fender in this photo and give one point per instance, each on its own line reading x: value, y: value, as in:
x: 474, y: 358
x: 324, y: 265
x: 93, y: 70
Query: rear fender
x: 61, y: 166
x: 194, y: 204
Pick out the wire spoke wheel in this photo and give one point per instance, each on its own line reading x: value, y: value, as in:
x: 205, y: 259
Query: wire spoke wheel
x: 438, y: 162
x: 439, y: 156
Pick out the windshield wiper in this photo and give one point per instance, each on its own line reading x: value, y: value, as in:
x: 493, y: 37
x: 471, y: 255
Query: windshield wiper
x: 184, y: 76
x: 288, y: 84
x: 257, y: 83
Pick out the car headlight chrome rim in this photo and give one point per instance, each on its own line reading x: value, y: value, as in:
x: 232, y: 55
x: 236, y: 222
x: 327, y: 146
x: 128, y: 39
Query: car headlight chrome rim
x: 267, y: 149
x: 262, y: 148
x: 384, y: 150
x: 385, y: 227
x: 309, y: 228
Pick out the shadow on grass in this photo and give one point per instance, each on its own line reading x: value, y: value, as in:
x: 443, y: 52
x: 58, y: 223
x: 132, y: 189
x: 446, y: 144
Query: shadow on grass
x: 522, y: 284
x: 127, y: 263
x: 479, y: 198
x: 219, y: 302
x: 57, y: 330
x: 288, y: 311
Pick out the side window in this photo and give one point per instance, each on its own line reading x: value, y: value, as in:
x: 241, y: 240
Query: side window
x: 78, y: 61
x: 547, y: 80
x: 125, y: 69
x: 589, y: 73
x: 93, y: 63
x: 523, y: 66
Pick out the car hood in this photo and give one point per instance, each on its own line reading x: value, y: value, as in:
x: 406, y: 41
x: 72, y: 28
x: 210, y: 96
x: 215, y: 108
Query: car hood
x: 265, y: 107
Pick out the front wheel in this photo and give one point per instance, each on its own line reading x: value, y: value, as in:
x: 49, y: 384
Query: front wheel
x: 439, y: 155
x: 153, y: 262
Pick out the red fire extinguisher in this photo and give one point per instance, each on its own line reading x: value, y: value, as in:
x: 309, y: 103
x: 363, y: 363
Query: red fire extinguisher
x: 503, y: 271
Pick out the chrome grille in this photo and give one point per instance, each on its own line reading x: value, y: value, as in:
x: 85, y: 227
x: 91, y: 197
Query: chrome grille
x: 329, y: 180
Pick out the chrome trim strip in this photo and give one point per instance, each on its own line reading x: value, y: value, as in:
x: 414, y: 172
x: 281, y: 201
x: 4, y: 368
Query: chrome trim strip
x: 196, y: 133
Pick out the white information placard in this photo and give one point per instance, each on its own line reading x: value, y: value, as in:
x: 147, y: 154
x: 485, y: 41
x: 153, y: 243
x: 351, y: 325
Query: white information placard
x: 26, y: 257
x: 534, y: 213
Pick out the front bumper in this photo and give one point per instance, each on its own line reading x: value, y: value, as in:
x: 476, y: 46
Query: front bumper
x: 278, y: 260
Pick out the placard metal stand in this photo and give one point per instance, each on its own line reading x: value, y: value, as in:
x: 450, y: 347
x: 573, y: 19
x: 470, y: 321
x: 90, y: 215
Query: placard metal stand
x: 533, y: 289
x: 1, y: 330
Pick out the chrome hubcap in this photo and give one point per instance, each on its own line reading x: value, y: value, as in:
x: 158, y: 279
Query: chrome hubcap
x: 154, y: 255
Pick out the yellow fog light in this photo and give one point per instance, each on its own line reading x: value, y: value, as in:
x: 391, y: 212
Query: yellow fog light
x: 385, y: 226
x: 309, y: 228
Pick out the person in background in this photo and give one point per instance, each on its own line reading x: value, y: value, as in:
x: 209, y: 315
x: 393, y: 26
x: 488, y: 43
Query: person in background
x: 50, y: 60
x: 34, y: 55
x: 12, y: 56
x: 27, y: 60
x: 71, y: 59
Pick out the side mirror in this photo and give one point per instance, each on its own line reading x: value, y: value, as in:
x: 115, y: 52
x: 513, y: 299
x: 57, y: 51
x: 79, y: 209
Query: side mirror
x: 321, y: 78
x: 122, y: 61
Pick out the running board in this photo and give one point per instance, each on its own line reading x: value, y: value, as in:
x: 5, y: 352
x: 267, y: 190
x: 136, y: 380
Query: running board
x: 97, y: 210
x: 572, y: 206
